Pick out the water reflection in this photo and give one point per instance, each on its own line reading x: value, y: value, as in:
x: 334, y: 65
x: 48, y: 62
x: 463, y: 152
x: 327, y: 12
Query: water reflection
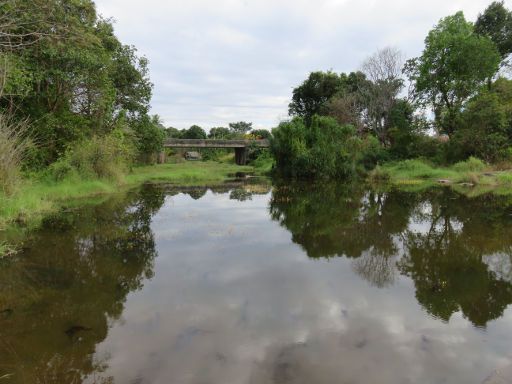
x: 458, y: 251
x: 60, y: 296
x: 202, y: 285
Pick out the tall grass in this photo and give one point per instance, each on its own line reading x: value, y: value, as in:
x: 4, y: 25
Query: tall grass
x: 14, y: 142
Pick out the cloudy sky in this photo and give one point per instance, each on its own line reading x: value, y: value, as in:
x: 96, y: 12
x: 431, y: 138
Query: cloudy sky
x: 215, y: 62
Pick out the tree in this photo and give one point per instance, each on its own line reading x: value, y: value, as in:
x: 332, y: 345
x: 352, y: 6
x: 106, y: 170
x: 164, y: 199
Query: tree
x: 311, y: 97
x: 149, y: 136
x: 63, y: 68
x: 219, y: 133
x: 172, y: 132
x: 453, y: 66
x: 485, y: 125
x: 240, y: 128
x: 379, y: 94
x: 496, y: 23
x: 194, y: 132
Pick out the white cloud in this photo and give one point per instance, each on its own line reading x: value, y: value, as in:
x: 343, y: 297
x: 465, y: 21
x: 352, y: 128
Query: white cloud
x: 213, y: 62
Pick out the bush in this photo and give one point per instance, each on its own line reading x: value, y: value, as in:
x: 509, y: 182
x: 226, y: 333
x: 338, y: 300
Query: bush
x: 484, y: 129
x: 106, y: 157
x: 321, y: 149
x: 149, y: 138
x: 470, y: 165
x: 14, y: 143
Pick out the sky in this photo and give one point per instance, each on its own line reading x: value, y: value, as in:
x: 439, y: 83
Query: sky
x: 216, y: 62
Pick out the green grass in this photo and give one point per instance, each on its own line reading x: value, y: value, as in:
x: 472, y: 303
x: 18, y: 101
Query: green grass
x: 40, y: 196
x: 419, y: 174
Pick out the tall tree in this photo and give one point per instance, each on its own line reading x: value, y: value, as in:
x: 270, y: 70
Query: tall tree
x: 312, y: 96
x: 496, y: 23
x: 194, y: 132
x: 67, y: 72
x: 384, y: 73
x: 453, y: 66
x: 316, y: 94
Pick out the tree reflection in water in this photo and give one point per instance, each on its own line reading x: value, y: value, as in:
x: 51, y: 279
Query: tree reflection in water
x: 454, y: 248
x: 59, y: 297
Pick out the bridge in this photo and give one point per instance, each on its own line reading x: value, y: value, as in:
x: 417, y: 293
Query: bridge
x: 240, y: 146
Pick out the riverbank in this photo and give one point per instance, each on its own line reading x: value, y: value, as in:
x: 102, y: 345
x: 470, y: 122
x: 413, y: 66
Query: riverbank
x: 38, y: 196
x: 469, y: 177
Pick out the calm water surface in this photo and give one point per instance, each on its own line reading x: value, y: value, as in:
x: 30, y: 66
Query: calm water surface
x: 263, y: 284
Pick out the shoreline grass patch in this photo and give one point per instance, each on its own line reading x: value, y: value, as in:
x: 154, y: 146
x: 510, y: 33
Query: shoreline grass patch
x: 42, y: 195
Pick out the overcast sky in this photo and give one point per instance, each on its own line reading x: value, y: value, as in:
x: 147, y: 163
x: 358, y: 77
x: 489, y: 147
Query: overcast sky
x: 215, y: 62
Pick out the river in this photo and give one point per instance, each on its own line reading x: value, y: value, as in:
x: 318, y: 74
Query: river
x: 259, y: 283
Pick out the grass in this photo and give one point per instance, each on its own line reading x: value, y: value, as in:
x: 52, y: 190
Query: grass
x: 40, y: 196
x: 471, y: 173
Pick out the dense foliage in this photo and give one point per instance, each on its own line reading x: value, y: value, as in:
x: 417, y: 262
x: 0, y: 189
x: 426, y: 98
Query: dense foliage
x: 322, y: 148
x: 456, y: 80
x: 63, y: 70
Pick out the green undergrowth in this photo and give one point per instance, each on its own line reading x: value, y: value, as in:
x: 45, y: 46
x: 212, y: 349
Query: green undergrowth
x: 469, y: 176
x: 39, y: 195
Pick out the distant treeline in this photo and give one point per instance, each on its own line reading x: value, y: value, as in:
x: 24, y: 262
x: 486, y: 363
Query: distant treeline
x: 241, y: 129
x: 458, y: 104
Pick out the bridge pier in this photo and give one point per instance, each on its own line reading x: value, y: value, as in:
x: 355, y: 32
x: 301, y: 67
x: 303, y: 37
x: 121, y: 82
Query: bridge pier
x: 241, y: 156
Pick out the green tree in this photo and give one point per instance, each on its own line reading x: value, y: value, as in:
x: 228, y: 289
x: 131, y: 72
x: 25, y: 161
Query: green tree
x: 313, y: 95
x: 453, y: 66
x: 194, y: 132
x: 149, y: 136
x: 485, y: 125
x: 172, y: 132
x: 496, y: 23
x: 240, y: 128
x: 219, y: 133
x: 67, y: 73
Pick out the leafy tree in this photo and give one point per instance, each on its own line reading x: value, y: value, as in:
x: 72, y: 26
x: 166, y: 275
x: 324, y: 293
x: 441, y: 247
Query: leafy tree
x: 219, y: 133
x: 313, y: 95
x: 240, y: 128
x: 485, y: 125
x: 453, y: 66
x: 496, y: 23
x: 172, y: 132
x: 194, y: 132
x: 68, y: 73
x: 149, y: 136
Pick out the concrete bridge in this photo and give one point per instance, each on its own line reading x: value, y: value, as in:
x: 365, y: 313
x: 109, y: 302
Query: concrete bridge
x: 240, y: 146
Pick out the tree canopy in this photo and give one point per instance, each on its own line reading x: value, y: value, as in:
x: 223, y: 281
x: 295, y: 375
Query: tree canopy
x: 455, y: 63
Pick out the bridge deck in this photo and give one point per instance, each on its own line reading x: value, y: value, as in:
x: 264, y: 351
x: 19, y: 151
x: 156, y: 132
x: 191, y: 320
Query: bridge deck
x: 212, y: 143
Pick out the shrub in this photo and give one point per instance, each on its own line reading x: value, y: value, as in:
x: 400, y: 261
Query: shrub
x: 14, y: 143
x: 149, y: 138
x: 99, y: 157
x: 470, y: 165
x: 321, y: 149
